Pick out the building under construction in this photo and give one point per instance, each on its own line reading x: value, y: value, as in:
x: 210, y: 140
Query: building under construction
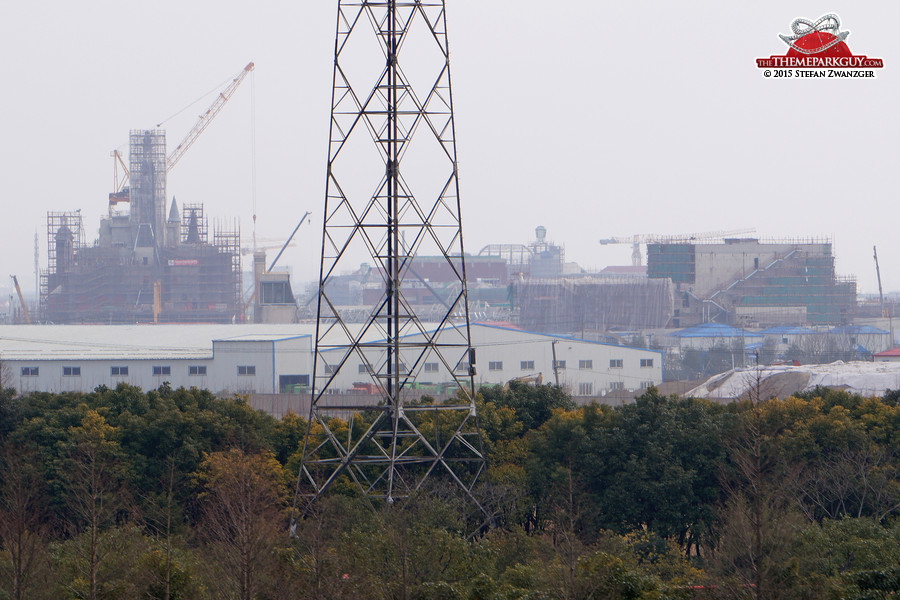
x: 148, y: 264
x: 592, y: 304
x: 743, y: 282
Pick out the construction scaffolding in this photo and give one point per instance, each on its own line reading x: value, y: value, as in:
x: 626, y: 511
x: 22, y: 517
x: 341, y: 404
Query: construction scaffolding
x: 592, y: 304
x: 750, y: 283
x: 227, y: 242
x: 147, y: 157
x: 198, y: 282
x: 195, y: 226
x: 65, y: 239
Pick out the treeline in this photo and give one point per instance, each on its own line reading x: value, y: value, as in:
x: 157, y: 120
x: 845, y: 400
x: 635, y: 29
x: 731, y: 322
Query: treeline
x: 179, y: 494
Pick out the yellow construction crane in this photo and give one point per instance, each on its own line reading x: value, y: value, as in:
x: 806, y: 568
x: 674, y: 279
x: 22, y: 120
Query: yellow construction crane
x: 650, y: 238
x: 21, y: 299
x: 120, y: 180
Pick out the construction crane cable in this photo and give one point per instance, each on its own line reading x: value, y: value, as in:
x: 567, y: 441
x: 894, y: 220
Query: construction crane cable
x: 204, y: 96
x: 253, y: 150
x: 206, y: 118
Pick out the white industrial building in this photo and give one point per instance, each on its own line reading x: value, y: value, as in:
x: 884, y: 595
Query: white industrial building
x: 504, y: 353
x: 273, y: 359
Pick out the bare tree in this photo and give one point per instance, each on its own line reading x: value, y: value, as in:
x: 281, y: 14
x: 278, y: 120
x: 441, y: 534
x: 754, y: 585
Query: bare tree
x: 23, y: 530
x: 6, y: 375
x: 243, y: 519
x: 758, y: 518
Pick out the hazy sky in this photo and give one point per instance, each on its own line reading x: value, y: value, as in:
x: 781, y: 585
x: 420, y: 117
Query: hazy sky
x: 591, y: 118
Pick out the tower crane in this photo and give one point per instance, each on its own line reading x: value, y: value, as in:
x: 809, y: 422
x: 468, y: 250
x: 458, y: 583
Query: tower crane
x: 205, y: 119
x: 649, y: 238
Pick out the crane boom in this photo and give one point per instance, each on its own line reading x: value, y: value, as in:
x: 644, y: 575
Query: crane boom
x: 648, y: 238
x: 21, y: 299
x: 206, y: 118
x: 878, y: 273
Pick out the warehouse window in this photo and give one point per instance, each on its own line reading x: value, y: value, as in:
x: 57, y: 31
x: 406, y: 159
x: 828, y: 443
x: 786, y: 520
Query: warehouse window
x: 527, y: 365
x: 585, y: 364
x: 118, y: 371
x: 330, y: 370
x: 617, y: 385
x: 462, y: 367
x: 71, y: 371
x: 495, y: 365
x: 645, y: 385
x: 30, y: 371
x: 197, y: 370
x: 431, y: 367
x: 560, y: 364
x: 646, y: 362
x: 585, y: 389
x: 616, y: 363
x: 166, y: 370
x: 246, y: 369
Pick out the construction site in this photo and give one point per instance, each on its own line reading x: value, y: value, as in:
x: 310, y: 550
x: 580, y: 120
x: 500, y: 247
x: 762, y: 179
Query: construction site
x: 748, y: 283
x: 152, y: 261
x: 688, y: 280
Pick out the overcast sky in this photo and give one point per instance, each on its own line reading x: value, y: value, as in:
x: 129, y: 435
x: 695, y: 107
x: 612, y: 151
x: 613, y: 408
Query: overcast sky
x: 592, y: 118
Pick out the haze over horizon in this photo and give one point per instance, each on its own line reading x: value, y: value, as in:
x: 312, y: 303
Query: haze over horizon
x: 603, y: 119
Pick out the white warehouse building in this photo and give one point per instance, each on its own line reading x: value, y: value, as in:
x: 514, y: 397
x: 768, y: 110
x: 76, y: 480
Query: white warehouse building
x: 277, y: 359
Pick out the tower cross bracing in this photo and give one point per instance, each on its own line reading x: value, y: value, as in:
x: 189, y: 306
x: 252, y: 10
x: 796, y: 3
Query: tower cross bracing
x: 392, y: 194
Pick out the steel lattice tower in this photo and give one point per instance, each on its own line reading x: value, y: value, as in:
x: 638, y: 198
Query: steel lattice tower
x: 391, y: 196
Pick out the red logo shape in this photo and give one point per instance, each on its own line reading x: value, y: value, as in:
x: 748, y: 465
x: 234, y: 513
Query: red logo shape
x: 816, y: 45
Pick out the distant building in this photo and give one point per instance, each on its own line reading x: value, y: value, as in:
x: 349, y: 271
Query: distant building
x: 278, y: 359
x: 593, y: 304
x: 710, y: 335
x: 862, y: 339
x: 743, y: 282
x: 585, y: 368
x: 892, y: 355
x: 145, y: 266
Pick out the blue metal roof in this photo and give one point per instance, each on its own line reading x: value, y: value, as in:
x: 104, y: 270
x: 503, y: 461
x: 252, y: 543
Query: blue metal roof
x: 860, y: 330
x: 562, y: 337
x: 714, y: 330
x: 787, y: 330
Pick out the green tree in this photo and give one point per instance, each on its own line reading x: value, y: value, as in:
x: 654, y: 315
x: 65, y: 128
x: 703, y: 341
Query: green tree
x: 533, y: 404
x: 91, y: 461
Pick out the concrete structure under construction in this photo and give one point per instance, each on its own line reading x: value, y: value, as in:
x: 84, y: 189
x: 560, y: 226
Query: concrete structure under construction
x: 743, y: 282
x: 146, y: 265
